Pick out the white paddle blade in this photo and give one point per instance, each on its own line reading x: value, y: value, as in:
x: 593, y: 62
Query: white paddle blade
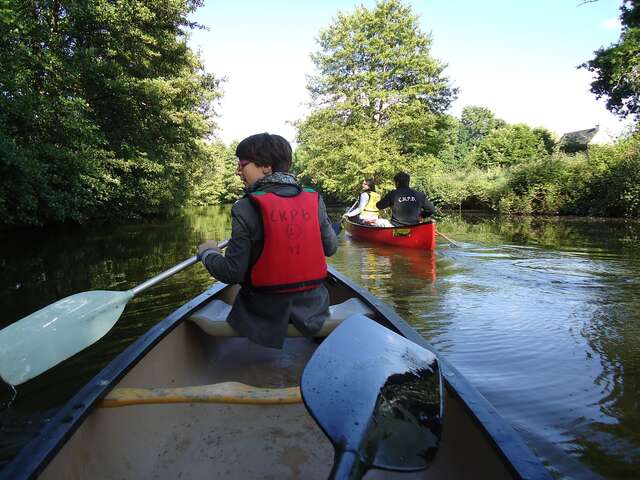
x: 45, y: 338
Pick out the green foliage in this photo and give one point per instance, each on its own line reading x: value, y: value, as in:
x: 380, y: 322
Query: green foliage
x: 336, y: 158
x: 604, y: 181
x: 379, y: 98
x: 509, y: 145
x: 473, y: 186
x: 374, y: 62
x: 476, y: 123
x: 232, y: 186
x: 215, y: 180
x: 615, y: 188
x: 617, y: 67
x: 547, y: 138
x: 102, y: 109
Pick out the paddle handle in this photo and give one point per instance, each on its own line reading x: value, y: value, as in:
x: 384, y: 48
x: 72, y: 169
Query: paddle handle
x: 172, y: 271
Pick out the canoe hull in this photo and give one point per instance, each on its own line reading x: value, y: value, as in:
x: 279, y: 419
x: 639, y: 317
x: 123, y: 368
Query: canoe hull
x: 421, y: 236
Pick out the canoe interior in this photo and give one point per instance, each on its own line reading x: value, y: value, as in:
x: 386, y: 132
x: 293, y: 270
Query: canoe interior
x: 194, y: 441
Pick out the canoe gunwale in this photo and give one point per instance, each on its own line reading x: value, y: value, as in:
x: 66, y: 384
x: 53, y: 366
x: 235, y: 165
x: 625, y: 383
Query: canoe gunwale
x: 35, y: 456
x: 364, y: 225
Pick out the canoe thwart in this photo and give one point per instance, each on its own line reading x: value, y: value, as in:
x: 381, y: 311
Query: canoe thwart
x: 212, y: 318
x: 225, y: 392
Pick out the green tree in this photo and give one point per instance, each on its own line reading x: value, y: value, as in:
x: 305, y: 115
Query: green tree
x: 547, y: 138
x: 617, y: 67
x: 336, y: 157
x: 509, y: 145
x: 215, y: 181
x: 373, y: 62
x: 615, y: 187
x: 383, y: 92
x: 475, y: 124
x: 103, y: 108
x: 232, y: 186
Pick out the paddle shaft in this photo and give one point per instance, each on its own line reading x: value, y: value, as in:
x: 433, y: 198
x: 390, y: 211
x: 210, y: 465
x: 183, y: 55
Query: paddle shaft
x: 172, y: 271
x: 347, y: 466
x: 337, y: 225
x: 39, y: 341
x: 448, y: 239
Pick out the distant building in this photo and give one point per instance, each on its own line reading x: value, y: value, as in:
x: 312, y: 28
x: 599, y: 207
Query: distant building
x: 577, y: 141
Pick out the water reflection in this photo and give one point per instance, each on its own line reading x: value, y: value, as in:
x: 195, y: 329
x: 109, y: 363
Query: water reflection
x: 396, y: 275
x: 541, y: 315
x: 406, y: 425
x: 42, y: 266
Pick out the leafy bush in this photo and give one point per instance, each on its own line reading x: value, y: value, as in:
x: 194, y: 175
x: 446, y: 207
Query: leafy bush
x: 509, y: 145
x: 615, y: 189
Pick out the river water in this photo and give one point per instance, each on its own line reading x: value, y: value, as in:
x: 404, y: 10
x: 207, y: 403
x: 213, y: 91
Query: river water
x: 541, y: 315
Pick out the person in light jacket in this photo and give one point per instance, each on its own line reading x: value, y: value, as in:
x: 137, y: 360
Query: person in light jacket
x: 365, y: 210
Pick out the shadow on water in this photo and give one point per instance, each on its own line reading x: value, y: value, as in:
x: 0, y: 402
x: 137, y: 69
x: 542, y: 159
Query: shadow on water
x: 541, y: 315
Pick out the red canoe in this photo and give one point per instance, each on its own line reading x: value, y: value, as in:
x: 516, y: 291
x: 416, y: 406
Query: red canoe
x: 421, y: 236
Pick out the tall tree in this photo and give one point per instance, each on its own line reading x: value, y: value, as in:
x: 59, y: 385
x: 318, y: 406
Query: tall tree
x: 617, y: 67
x: 510, y: 145
x: 336, y: 157
x: 379, y: 86
x: 374, y: 62
x: 476, y: 123
x: 103, y: 108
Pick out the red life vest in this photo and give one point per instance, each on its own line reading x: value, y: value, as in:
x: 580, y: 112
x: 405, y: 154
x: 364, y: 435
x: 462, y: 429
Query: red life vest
x: 292, y: 257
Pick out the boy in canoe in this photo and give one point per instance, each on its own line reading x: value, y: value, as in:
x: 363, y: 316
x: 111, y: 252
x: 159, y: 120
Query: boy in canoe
x: 407, y: 205
x: 279, y: 239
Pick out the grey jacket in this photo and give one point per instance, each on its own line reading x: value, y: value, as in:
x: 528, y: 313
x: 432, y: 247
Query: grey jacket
x: 263, y: 317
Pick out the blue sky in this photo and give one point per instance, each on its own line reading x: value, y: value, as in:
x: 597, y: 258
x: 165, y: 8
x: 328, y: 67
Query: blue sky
x: 515, y: 57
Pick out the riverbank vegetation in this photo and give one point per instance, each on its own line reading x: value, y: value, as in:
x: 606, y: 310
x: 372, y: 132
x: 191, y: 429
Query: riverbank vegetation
x: 380, y: 109
x: 106, y: 112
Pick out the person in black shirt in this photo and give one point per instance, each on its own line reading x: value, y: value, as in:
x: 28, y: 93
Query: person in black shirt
x: 407, y: 204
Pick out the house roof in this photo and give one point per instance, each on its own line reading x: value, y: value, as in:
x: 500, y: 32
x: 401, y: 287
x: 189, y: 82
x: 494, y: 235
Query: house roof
x: 579, y: 137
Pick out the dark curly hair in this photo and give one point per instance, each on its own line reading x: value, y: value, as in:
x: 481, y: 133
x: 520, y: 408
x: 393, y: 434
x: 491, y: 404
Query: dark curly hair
x: 264, y: 150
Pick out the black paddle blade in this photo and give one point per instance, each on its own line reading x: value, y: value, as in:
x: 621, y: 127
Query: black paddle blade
x: 337, y: 226
x: 377, y: 395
